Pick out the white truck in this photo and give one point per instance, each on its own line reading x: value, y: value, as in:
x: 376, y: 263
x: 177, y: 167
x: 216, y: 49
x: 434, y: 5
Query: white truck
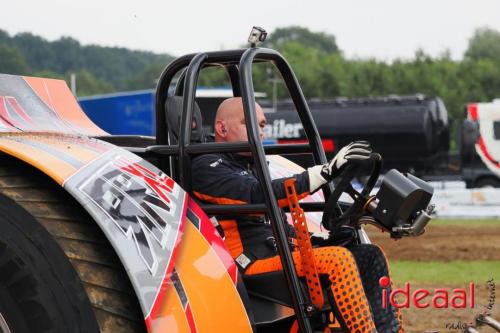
x: 483, y: 121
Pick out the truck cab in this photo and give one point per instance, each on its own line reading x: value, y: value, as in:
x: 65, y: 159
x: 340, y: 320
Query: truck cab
x: 480, y: 145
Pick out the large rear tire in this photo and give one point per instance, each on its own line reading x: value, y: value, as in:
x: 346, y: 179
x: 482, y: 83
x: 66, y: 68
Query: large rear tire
x: 58, y: 273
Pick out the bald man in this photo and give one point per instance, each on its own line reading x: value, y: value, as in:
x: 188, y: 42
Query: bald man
x: 230, y: 121
x: 230, y: 179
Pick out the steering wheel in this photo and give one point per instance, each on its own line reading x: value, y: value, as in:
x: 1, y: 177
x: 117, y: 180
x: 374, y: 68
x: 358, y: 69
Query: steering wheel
x: 333, y: 217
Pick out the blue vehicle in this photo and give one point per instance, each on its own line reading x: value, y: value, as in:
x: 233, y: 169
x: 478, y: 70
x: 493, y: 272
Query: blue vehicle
x: 122, y: 113
x: 132, y: 113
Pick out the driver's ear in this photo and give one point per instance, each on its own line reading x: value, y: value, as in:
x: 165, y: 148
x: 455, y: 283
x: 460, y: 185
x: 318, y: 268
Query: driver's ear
x: 220, y: 128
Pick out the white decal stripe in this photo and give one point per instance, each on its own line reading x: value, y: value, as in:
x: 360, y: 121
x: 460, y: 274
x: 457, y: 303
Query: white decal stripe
x: 171, y: 264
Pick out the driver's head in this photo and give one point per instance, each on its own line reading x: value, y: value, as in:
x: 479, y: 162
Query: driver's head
x: 230, y: 121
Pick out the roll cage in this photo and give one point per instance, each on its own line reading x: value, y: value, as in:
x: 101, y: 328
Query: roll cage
x: 176, y: 158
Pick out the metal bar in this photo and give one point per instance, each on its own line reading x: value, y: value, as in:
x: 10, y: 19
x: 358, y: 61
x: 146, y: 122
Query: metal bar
x: 312, y: 206
x: 288, y: 149
x: 179, y: 85
x: 491, y: 322
x: 234, y: 76
x: 218, y: 147
x: 226, y: 58
x: 161, y: 95
x: 255, y: 208
x: 238, y: 147
x: 234, y: 209
x: 277, y: 223
x: 301, y: 106
x: 137, y: 151
x: 164, y: 81
x: 191, y: 80
x: 154, y: 151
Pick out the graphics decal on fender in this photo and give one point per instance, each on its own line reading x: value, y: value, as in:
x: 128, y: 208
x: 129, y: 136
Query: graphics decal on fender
x: 131, y: 196
x: 41, y: 105
x: 141, y: 210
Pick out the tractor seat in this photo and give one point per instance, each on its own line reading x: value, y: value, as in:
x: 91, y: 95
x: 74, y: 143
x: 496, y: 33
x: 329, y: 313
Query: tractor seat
x: 173, y: 108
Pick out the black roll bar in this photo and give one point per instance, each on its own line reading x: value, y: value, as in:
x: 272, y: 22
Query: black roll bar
x: 217, y: 147
x: 238, y: 64
x: 275, y: 216
x: 190, y: 83
x: 256, y: 208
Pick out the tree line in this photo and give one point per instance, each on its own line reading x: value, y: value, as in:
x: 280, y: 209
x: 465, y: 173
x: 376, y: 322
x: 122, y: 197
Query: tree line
x: 324, y: 72
x: 98, y: 69
x: 318, y: 62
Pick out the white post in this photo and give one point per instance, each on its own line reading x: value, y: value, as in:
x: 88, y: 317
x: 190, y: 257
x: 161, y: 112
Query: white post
x: 73, y: 83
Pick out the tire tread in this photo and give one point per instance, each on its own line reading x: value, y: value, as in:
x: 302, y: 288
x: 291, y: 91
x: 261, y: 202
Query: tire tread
x: 107, y: 285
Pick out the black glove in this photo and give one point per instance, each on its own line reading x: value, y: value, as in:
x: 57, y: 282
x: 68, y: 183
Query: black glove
x: 356, y: 151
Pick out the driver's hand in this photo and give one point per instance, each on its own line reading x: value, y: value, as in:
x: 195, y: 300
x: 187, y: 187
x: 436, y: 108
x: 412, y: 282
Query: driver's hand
x: 354, y: 152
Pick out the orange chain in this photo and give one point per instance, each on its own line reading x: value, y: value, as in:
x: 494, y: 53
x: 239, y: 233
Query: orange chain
x: 304, y: 244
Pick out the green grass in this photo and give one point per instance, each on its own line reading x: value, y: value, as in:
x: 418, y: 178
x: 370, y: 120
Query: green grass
x: 467, y: 222
x: 453, y: 272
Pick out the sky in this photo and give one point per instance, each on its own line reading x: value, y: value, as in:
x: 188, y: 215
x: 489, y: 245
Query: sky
x: 382, y: 29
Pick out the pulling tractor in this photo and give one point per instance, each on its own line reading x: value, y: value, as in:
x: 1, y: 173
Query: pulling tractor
x: 100, y: 233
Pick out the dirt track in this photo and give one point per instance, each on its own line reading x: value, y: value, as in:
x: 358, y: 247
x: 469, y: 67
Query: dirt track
x: 445, y: 243
x: 430, y: 319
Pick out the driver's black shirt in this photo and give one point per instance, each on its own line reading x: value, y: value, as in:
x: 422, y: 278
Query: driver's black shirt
x: 230, y: 179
